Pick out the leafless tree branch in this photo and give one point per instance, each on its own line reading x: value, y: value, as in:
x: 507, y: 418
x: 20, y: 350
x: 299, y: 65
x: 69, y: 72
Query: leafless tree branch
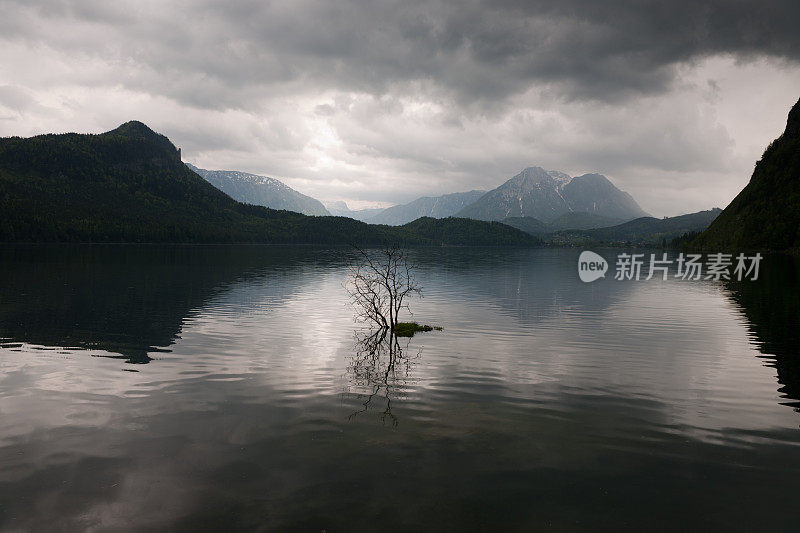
x: 379, y: 284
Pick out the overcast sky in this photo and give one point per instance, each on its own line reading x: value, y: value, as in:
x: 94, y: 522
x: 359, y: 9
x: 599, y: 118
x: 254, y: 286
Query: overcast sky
x: 381, y: 102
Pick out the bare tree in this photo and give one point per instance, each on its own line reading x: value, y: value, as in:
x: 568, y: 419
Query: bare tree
x: 379, y: 284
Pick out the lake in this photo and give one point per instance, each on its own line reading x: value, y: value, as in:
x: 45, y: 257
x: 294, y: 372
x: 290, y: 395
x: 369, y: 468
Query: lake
x: 190, y: 388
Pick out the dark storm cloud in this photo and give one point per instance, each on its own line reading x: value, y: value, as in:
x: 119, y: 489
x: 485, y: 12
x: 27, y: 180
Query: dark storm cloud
x: 226, y: 54
x: 673, y: 100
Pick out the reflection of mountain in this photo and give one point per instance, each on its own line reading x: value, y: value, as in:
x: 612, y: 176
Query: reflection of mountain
x: 122, y: 299
x: 772, y: 307
x: 530, y: 285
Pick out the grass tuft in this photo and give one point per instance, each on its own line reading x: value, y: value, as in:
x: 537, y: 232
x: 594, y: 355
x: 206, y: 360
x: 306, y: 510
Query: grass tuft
x: 407, y: 329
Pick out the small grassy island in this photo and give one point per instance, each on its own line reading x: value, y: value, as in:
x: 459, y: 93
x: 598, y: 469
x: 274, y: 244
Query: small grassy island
x: 407, y: 329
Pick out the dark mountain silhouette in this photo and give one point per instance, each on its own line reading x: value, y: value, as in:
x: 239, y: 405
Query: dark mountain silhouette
x: 766, y: 214
x: 576, y: 220
x: 463, y: 231
x: 644, y: 230
x: 129, y: 185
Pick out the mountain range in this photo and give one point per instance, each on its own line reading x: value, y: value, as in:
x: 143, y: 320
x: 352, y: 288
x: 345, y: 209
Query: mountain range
x: 765, y: 215
x: 640, y: 231
x: 130, y: 185
x: 340, y: 209
x: 547, y: 195
x: 553, y: 198
x: 428, y: 206
x: 261, y: 190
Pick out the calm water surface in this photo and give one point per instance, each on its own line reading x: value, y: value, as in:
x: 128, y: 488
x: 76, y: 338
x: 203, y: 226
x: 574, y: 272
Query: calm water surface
x: 197, y: 388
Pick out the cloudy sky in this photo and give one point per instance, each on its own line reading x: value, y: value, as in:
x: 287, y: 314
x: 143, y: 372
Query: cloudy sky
x: 379, y: 102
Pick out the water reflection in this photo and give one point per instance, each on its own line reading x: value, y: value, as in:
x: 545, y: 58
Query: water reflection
x: 544, y: 403
x: 527, y: 285
x: 380, y: 368
x: 772, y: 307
x: 131, y: 301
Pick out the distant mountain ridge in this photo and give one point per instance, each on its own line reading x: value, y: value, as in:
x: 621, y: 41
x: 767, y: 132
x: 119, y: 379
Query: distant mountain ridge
x: 130, y: 185
x: 340, y: 209
x: 594, y: 193
x: 547, y: 195
x: 644, y: 230
x: 765, y: 215
x: 574, y: 220
x: 261, y: 190
x: 428, y: 206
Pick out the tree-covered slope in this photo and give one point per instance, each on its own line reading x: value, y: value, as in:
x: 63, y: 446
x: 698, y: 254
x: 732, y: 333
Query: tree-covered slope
x: 531, y: 225
x: 129, y: 185
x: 765, y: 215
x: 465, y: 232
x: 644, y: 230
x: 575, y: 220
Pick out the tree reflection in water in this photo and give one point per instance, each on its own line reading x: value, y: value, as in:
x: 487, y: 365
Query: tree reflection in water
x: 380, y: 368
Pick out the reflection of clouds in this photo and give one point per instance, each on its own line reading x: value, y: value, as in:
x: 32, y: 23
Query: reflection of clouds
x: 526, y: 285
x: 553, y: 373
x: 296, y: 337
x: 684, y: 345
x: 679, y: 344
